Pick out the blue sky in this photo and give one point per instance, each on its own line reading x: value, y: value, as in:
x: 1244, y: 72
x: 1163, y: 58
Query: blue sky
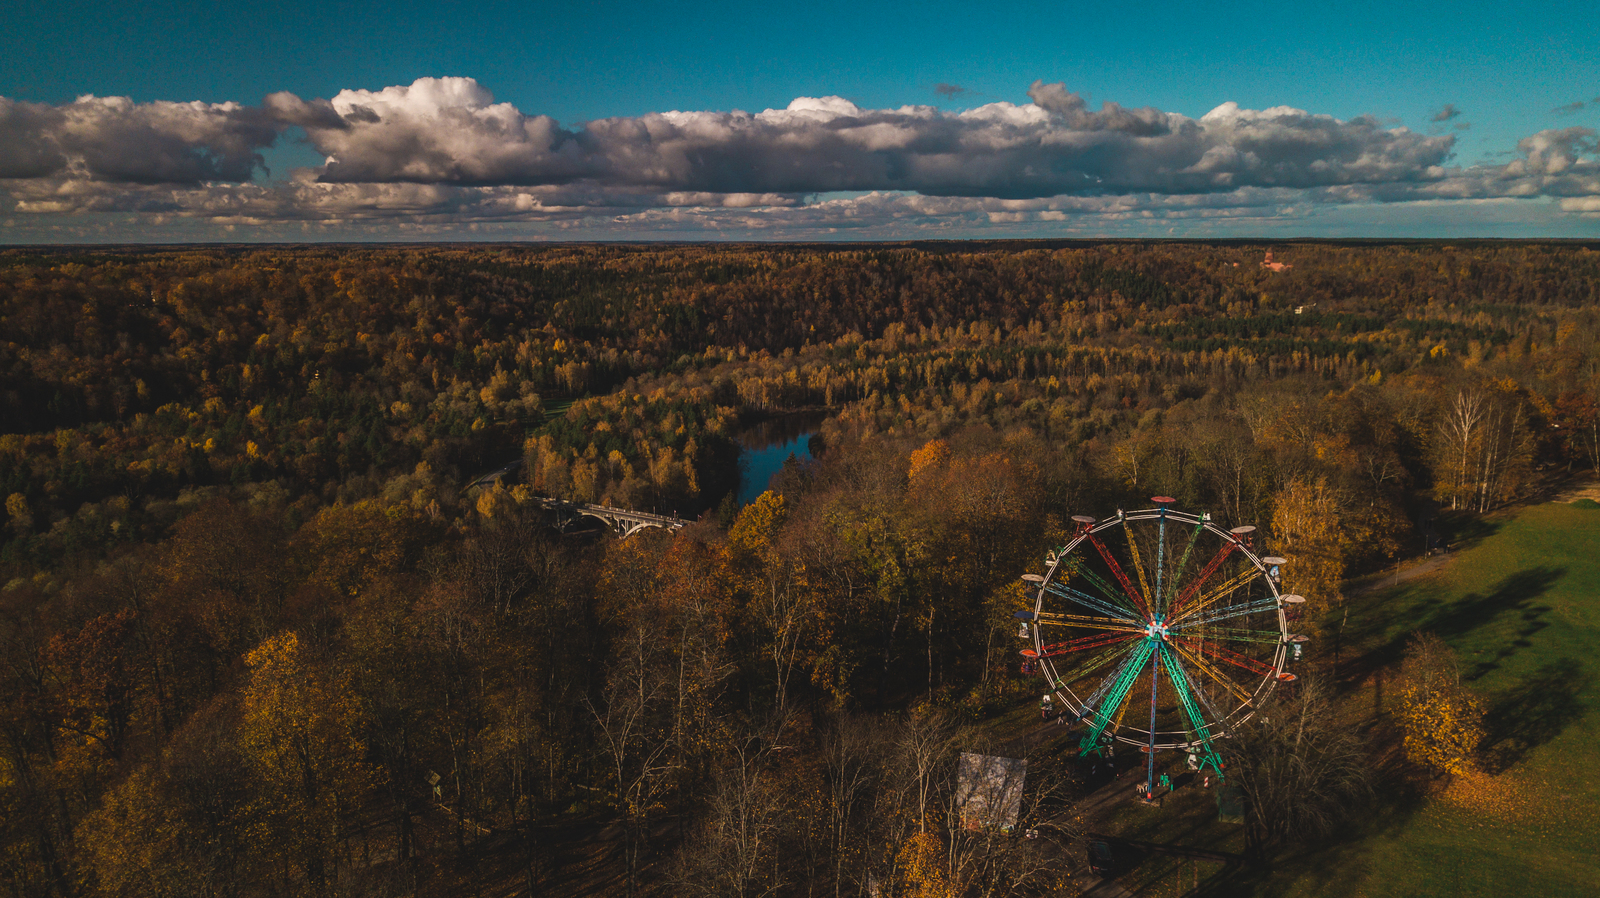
x: 1508, y: 74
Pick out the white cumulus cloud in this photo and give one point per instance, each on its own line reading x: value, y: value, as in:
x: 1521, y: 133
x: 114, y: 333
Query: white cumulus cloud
x: 444, y: 152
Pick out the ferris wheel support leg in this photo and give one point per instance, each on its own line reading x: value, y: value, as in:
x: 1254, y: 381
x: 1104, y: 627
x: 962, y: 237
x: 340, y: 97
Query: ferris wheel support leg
x: 1208, y: 756
x: 1150, y: 762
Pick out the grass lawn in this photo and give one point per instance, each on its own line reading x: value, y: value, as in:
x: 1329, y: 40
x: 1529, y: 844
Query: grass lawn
x: 1521, y: 606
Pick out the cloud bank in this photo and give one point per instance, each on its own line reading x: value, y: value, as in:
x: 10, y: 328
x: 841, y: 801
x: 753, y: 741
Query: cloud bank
x: 442, y: 151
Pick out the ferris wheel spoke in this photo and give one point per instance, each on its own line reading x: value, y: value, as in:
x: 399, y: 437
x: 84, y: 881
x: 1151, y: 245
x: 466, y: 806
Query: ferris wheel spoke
x: 1138, y: 562
x: 1226, y: 613
x: 1195, y: 689
x: 1082, y: 598
x: 1231, y: 657
x: 1177, y: 572
x: 1084, y: 620
x: 1234, y: 634
x: 1108, y: 699
x: 1116, y: 571
x: 1093, y: 664
x: 1211, y: 568
x: 1210, y: 670
x: 1073, y: 646
x: 1161, y: 561
x: 1199, y: 730
x: 1155, y: 691
x: 1233, y: 585
x: 1116, y: 595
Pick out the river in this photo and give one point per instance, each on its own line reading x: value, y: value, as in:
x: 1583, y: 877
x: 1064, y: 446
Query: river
x: 766, y: 445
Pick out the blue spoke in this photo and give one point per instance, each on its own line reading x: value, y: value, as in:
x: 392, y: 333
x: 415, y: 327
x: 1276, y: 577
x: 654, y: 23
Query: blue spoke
x: 1155, y: 685
x: 1082, y: 598
x: 1161, y: 560
x: 1226, y: 613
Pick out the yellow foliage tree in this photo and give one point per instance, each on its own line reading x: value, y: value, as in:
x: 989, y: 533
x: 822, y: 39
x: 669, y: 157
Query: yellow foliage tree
x: 1308, y: 531
x: 346, y: 547
x: 930, y: 458
x: 1442, y: 719
x: 758, y: 525
x: 922, y: 868
x: 299, y: 739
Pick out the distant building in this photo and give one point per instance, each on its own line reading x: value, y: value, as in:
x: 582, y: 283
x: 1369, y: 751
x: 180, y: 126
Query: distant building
x: 1270, y: 265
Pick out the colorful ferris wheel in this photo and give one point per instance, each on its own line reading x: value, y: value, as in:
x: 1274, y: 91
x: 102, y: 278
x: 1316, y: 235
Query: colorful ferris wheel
x: 1159, y: 629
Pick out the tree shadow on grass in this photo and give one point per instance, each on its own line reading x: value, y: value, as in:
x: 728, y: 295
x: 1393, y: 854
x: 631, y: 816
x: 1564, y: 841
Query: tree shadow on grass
x: 1531, y: 714
x: 1450, y: 620
x: 1459, y: 530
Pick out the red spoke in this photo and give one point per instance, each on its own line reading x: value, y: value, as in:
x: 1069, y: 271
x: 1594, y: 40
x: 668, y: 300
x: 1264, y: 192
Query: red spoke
x: 1078, y: 645
x: 1222, y: 555
x: 1234, y: 658
x: 1116, y: 569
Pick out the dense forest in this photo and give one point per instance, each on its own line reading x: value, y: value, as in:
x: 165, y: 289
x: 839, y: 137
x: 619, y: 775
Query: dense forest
x: 263, y: 631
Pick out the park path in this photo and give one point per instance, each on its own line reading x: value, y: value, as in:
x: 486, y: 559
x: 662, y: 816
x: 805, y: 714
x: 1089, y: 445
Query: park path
x: 1572, y: 492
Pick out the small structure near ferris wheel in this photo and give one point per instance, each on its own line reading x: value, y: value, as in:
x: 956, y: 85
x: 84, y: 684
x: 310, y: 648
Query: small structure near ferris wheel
x: 1160, y: 630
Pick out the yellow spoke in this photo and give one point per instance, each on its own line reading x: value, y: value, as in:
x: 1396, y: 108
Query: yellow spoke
x: 1085, y: 620
x: 1211, y: 597
x: 1203, y: 665
x: 1138, y: 565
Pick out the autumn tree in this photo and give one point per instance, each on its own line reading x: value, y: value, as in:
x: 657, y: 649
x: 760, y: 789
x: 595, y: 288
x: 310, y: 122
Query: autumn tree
x: 1482, y: 448
x: 1308, y: 531
x: 1302, y: 770
x: 742, y: 830
x: 299, y: 737
x: 176, y: 826
x: 1442, y: 719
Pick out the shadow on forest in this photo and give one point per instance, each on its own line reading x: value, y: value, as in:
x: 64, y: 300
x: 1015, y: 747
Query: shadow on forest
x: 1514, y: 594
x: 1532, y: 713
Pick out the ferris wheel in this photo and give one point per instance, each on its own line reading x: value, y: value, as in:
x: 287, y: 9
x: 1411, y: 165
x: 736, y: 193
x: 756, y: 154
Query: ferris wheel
x: 1159, y: 629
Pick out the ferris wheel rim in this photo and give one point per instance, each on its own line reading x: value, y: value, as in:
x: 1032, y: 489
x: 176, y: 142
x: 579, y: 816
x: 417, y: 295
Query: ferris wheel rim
x: 1203, y: 727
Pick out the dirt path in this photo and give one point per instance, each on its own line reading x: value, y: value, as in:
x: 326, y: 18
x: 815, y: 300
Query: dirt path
x: 1402, y: 574
x: 1572, y: 492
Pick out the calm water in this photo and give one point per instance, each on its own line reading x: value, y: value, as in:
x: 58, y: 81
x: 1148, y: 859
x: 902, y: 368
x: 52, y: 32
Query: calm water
x: 768, y: 445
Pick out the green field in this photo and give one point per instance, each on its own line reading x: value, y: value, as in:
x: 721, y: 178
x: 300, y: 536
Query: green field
x: 1521, y: 606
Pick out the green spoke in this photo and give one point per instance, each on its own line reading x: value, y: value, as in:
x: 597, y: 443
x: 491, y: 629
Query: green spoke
x: 1199, y: 730
x: 1177, y: 573
x: 1234, y: 634
x: 1109, y: 590
x: 1113, y: 692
